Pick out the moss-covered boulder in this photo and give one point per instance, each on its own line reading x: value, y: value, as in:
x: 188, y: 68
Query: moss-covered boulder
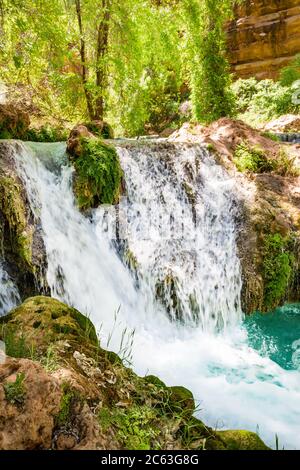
x: 14, y: 122
x: 92, y: 400
x: 75, y: 139
x: 98, y: 173
x: 41, y: 321
x: 14, y: 218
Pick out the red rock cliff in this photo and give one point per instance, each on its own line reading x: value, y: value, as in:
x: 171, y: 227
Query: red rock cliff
x: 264, y: 37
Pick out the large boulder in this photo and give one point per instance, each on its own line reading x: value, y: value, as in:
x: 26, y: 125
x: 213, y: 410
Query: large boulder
x: 98, y: 173
x: 51, y: 320
x: 92, y: 129
x: 74, y: 143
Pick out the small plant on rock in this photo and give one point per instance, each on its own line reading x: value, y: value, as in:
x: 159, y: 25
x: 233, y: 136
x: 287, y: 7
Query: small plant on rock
x: 277, y: 268
x: 15, y: 391
x: 252, y: 159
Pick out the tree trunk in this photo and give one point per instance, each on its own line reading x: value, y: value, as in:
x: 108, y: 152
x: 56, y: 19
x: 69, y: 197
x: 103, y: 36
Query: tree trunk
x: 102, y: 46
x: 84, y: 71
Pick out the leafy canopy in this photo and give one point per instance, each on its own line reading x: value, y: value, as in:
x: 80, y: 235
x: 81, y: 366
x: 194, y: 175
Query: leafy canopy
x: 127, y: 61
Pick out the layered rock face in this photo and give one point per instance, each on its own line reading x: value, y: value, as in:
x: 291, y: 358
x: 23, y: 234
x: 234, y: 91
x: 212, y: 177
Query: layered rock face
x: 264, y: 37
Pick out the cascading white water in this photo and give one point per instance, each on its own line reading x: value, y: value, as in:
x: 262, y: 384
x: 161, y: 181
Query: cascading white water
x: 9, y: 295
x: 208, y: 350
x: 179, y: 215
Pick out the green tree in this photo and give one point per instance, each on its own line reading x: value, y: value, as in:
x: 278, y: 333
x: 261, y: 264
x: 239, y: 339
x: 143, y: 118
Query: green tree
x: 94, y: 19
x: 124, y: 60
x: 208, y: 67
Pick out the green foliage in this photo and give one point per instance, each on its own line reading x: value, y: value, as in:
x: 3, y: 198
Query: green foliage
x: 5, y: 134
x: 131, y: 60
x: 51, y: 359
x: 208, y: 67
x: 16, y: 344
x: 285, y: 164
x: 46, y: 133
x: 278, y: 264
x: 291, y: 73
x: 252, y: 159
x: 67, y: 400
x: 135, y: 426
x: 98, y: 174
x: 266, y: 98
x: 146, y: 65
x: 15, y: 391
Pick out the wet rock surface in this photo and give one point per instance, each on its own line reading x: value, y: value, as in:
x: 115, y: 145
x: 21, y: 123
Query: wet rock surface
x: 22, y: 242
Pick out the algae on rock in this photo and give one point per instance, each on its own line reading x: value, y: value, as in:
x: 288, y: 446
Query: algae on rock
x: 13, y: 210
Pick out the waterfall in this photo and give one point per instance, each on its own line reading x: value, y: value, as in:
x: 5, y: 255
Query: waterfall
x: 176, y: 219
x: 179, y: 220
x: 162, y: 268
x: 9, y: 295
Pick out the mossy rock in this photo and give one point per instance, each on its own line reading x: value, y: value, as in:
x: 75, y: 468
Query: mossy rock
x: 100, y: 129
x: 113, y: 358
x: 15, y: 227
x: 137, y: 415
x: 241, y: 440
x: 166, y: 291
x: 98, y: 174
x: 21, y: 242
x: 41, y: 321
x: 152, y: 379
x: 181, y: 401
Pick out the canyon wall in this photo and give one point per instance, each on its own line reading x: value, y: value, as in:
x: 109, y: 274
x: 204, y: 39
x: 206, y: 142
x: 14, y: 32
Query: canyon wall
x: 264, y: 36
